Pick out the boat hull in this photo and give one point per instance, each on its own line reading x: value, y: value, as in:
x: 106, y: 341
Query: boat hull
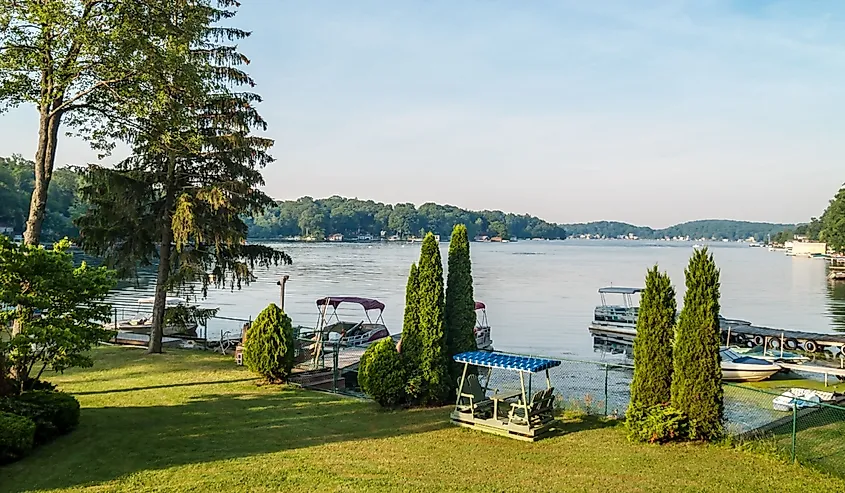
x: 739, y: 372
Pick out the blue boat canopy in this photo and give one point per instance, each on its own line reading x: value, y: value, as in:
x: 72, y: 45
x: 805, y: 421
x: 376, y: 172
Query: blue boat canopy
x: 506, y: 361
x: 620, y: 290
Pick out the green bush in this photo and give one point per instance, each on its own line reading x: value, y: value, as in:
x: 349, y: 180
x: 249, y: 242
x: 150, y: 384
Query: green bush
x: 656, y: 424
x: 268, y: 349
x: 17, y: 436
x: 54, y: 413
x: 382, y: 374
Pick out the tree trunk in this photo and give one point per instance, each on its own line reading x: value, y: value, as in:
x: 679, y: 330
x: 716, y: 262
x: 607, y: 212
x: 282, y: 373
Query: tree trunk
x: 159, y: 304
x: 45, y: 159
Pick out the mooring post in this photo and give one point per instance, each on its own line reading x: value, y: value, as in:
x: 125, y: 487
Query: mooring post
x: 281, y: 284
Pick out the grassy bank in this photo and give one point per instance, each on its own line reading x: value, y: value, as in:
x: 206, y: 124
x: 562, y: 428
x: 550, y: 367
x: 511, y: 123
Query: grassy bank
x: 191, y: 421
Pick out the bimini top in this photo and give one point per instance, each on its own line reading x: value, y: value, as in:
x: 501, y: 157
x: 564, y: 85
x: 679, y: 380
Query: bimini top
x: 367, y: 303
x: 479, y: 305
x: 620, y: 290
x: 506, y: 361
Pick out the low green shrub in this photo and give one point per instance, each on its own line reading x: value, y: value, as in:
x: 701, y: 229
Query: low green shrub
x: 656, y: 424
x: 17, y: 436
x: 381, y: 373
x: 268, y: 349
x: 54, y: 413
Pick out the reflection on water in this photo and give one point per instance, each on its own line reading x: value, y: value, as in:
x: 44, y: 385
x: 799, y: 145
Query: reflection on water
x: 540, y: 295
x: 836, y: 304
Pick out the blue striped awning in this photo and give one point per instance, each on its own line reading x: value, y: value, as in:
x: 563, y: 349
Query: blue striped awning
x: 506, y: 361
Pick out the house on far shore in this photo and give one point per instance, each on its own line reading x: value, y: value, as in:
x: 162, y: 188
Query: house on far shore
x: 335, y: 237
x: 7, y: 230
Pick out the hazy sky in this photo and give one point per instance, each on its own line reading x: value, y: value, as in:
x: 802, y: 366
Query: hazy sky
x: 650, y: 112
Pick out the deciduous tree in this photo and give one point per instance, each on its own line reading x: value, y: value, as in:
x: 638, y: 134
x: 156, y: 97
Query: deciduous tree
x: 58, y: 310
x: 82, y: 64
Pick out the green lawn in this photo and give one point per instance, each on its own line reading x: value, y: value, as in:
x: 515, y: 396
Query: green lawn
x: 192, y: 421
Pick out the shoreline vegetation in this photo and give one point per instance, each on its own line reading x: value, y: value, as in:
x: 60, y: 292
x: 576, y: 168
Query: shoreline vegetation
x: 342, y: 219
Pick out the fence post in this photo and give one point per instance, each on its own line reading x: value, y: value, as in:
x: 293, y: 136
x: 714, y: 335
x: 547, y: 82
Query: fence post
x: 794, y: 423
x: 606, y: 371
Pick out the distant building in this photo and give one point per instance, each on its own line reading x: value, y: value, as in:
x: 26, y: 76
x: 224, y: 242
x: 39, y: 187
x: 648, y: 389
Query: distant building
x: 335, y: 237
x: 7, y: 230
x: 808, y: 248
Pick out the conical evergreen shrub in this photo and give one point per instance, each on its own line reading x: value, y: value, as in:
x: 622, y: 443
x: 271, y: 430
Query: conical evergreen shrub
x: 652, y: 383
x: 433, y: 365
x: 411, y: 342
x: 459, y: 318
x: 381, y: 373
x: 268, y: 349
x: 697, y: 376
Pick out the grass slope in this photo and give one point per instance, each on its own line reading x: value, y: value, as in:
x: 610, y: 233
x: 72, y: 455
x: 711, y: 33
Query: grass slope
x: 191, y: 421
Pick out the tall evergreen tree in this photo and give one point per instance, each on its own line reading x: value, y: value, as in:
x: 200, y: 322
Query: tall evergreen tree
x: 194, y: 172
x: 697, y: 377
x: 652, y: 383
x: 433, y: 368
x: 411, y: 342
x: 459, y: 318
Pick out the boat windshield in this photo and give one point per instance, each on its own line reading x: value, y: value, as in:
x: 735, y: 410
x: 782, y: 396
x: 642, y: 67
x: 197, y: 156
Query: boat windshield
x: 728, y: 355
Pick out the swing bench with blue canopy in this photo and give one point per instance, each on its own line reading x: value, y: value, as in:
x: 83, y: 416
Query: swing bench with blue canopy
x: 525, y: 419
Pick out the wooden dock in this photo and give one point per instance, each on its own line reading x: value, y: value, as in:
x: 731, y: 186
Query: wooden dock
x: 817, y: 369
x: 125, y: 338
x: 742, y: 333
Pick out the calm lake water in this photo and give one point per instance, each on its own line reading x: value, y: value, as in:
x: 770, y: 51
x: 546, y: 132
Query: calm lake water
x: 539, y: 294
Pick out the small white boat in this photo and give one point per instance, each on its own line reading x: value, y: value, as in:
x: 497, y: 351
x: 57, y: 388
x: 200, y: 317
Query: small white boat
x: 483, y: 339
x: 738, y: 368
x: 800, y: 399
x: 142, y: 322
x: 773, y: 355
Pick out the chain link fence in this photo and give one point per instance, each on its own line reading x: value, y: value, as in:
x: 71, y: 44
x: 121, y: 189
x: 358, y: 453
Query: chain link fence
x: 795, y: 426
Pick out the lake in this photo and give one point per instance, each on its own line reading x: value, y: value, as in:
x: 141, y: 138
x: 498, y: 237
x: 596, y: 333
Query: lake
x: 540, y: 295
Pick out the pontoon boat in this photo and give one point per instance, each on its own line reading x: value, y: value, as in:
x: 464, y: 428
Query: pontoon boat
x: 351, y: 333
x: 483, y: 340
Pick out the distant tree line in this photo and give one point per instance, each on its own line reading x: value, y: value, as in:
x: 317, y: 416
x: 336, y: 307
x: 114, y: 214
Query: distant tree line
x: 718, y: 229
x: 320, y: 218
x: 17, y: 180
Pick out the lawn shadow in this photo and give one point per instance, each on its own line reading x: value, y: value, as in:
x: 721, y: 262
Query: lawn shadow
x: 116, y: 441
x: 575, y: 422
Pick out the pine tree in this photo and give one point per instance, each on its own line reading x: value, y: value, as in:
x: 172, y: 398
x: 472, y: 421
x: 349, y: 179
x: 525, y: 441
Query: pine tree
x: 697, y: 377
x: 433, y: 368
x: 194, y: 173
x: 459, y: 319
x: 652, y: 383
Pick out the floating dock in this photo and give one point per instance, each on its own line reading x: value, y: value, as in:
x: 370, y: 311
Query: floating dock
x: 742, y: 333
